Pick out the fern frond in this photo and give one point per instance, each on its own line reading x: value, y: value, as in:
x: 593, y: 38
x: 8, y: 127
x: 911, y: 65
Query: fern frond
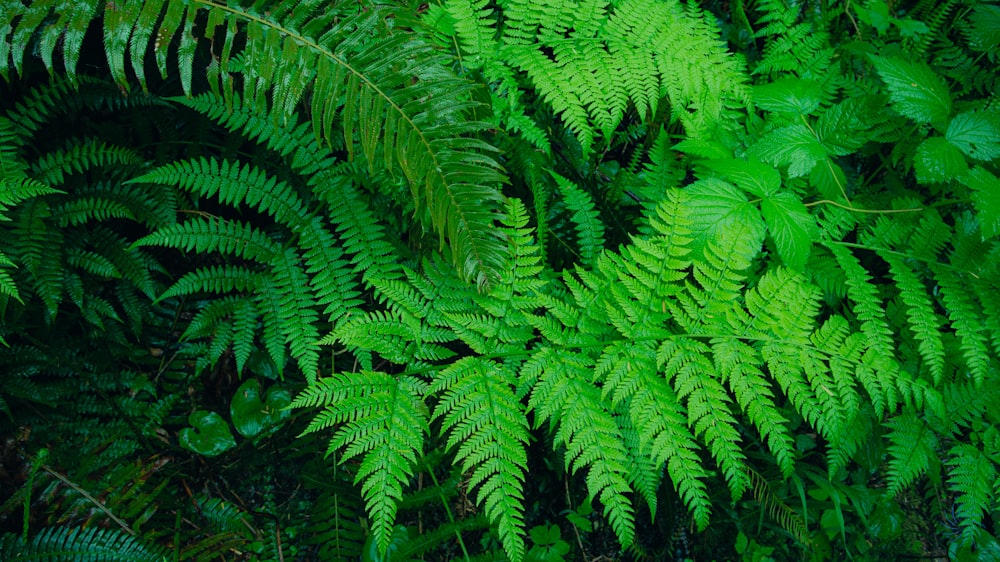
x: 912, y: 445
x: 661, y: 436
x: 686, y: 364
x: 586, y: 219
x: 382, y: 419
x: 74, y: 543
x: 297, y: 317
x: 565, y: 397
x: 487, y: 425
x: 80, y: 156
x: 923, y: 321
x: 215, y: 279
x: 239, y: 239
x: 968, y: 323
x: 974, y: 478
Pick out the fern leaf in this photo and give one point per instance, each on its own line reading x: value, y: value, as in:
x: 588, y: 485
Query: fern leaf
x: 215, y: 279
x: 382, y: 419
x: 215, y: 235
x: 589, y: 228
x: 74, y: 543
x: 685, y: 363
x: 912, y: 445
x: 968, y: 323
x: 297, y: 317
x: 487, y: 425
x: 923, y: 321
x: 974, y: 478
x: 565, y: 397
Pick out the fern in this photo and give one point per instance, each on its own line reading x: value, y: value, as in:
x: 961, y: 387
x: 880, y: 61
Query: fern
x: 348, y: 70
x: 384, y: 423
x: 65, y: 543
x: 486, y: 424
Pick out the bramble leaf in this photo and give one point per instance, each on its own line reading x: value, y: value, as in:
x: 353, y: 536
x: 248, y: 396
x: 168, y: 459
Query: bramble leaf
x: 915, y: 90
x: 791, y: 226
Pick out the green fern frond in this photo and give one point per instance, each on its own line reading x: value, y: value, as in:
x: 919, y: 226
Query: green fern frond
x: 489, y: 432
x: 974, y: 478
x: 586, y: 219
x: 686, y: 364
x: 298, y: 319
x: 73, y: 543
x: 215, y: 279
x: 968, y: 323
x: 565, y: 397
x: 658, y: 420
x: 381, y: 418
x: 80, y: 156
x: 215, y: 235
x: 923, y: 320
x: 912, y: 445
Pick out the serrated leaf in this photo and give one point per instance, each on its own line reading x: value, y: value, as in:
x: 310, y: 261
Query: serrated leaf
x: 795, y: 146
x: 829, y: 179
x: 985, y: 198
x: 751, y: 175
x: 791, y: 227
x: 789, y: 95
x: 914, y: 89
x: 976, y: 133
x: 719, y: 206
x: 938, y: 161
x: 208, y: 435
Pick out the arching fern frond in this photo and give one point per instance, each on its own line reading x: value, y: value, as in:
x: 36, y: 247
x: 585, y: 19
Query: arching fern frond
x: 74, y: 543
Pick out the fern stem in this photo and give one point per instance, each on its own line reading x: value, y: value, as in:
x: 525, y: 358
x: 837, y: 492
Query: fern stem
x: 451, y: 518
x: 859, y: 210
x: 97, y: 503
x: 904, y: 255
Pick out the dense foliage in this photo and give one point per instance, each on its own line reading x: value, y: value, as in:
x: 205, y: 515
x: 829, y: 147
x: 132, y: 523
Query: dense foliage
x: 514, y: 280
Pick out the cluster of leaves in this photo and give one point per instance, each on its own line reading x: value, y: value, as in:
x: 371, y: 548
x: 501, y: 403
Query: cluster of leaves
x: 707, y: 284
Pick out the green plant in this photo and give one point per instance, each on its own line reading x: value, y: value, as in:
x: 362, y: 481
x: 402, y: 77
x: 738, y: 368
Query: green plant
x: 767, y: 280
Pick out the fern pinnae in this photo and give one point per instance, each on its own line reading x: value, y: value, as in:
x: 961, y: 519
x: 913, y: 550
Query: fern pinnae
x: 967, y: 322
x: 974, y: 478
x: 589, y: 228
x: 381, y: 418
x: 215, y: 279
x: 923, y: 321
x: 564, y: 396
x: 488, y: 430
x: 215, y: 235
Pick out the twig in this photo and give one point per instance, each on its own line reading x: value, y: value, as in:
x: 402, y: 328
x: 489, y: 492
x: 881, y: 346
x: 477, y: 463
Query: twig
x: 90, y: 498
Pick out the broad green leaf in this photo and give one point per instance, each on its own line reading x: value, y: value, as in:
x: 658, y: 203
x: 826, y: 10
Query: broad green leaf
x: 985, y: 198
x: 914, y: 89
x: 791, y: 227
x: 985, y: 33
x: 844, y: 127
x: 829, y: 179
x: 875, y: 13
x: 910, y: 28
x: 703, y: 148
x: 720, y: 208
x: 208, y: 435
x: 938, y: 161
x: 252, y: 413
x: 795, y: 146
x: 976, y: 133
x: 753, y: 176
x: 789, y: 95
